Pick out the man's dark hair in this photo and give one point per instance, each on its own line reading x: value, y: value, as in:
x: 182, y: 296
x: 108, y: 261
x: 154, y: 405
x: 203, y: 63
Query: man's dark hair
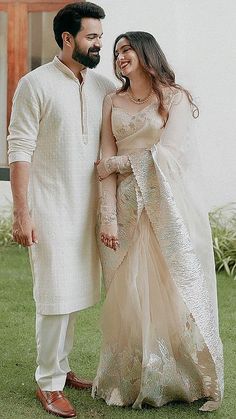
x: 69, y: 18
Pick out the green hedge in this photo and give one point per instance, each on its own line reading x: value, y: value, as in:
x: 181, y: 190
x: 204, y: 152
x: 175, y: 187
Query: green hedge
x: 6, y: 231
x: 223, y: 225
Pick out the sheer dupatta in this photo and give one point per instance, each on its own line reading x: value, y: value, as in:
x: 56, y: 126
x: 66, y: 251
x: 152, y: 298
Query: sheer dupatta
x: 182, y: 205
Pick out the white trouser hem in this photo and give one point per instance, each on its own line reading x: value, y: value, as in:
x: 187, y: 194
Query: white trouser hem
x: 54, y: 337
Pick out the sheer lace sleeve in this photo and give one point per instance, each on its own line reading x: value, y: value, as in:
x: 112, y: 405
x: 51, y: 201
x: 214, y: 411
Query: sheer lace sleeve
x: 115, y: 164
x: 108, y: 227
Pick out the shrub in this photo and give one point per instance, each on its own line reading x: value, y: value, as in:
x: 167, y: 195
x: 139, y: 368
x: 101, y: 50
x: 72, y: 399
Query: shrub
x: 6, y: 231
x: 223, y: 225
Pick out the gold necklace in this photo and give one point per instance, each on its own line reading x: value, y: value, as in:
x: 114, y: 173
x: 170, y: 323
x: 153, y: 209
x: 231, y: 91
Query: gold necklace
x: 139, y: 101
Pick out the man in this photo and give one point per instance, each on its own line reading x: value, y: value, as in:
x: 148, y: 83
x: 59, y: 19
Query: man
x: 53, y: 143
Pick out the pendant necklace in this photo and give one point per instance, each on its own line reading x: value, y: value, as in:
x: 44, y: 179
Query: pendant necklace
x: 139, y: 101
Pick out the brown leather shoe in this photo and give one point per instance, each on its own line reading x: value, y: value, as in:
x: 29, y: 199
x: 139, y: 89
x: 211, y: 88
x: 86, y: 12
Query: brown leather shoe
x: 56, y: 403
x: 77, y: 383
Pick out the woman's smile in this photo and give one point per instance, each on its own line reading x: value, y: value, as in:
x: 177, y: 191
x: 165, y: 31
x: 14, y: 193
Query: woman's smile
x: 124, y: 64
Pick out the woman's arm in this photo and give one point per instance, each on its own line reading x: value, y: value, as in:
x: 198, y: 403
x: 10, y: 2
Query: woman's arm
x: 108, y: 228
x: 110, y: 163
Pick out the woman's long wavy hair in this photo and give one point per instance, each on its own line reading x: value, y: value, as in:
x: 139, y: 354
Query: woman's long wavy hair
x: 154, y: 62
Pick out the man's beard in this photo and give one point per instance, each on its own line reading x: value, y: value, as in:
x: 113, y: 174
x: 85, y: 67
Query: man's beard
x: 88, y: 60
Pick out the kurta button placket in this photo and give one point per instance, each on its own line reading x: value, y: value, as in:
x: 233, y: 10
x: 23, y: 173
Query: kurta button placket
x: 84, y: 117
x: 83, y: 106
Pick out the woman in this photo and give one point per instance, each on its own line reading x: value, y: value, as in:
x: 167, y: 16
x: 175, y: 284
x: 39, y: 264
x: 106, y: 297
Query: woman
x: 160, y: 325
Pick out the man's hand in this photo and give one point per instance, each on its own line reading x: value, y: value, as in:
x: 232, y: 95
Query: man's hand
x: 24, y: 232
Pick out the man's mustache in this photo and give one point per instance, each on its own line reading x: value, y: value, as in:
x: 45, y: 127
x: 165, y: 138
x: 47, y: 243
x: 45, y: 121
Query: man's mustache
x: 94, y: 49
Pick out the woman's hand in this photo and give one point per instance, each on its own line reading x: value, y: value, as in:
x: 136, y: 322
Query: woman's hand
x: 109, y: 235
x: 101, y: 169
x: 115, y: 164
x: 109, y: 240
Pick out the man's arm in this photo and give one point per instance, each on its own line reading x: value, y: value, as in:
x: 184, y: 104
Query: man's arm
x: 23, y: 133
x: 23, y: 229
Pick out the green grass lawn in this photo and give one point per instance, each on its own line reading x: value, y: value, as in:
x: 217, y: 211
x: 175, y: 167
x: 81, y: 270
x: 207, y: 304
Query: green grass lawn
x: 17, y: 356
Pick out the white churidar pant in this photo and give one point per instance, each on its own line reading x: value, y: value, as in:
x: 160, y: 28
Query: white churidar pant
x: 54, y: 337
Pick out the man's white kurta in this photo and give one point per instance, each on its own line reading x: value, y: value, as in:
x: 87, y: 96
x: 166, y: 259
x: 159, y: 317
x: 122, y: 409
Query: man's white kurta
x: 55, y: 125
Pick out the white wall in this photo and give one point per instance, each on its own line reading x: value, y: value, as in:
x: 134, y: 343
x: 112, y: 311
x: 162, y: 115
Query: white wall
x: 198, y: 39
x: 3, y: 87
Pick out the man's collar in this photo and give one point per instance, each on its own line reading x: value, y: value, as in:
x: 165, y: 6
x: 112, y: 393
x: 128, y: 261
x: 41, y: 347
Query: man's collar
x: 62, y: 67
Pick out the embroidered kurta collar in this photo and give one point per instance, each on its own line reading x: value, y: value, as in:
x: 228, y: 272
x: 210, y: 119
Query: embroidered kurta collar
x: 62, y: 67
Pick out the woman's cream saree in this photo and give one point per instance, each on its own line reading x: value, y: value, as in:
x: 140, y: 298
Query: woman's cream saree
x: 160, y: 336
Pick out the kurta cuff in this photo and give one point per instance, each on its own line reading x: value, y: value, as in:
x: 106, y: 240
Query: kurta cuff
x: 14, y: 156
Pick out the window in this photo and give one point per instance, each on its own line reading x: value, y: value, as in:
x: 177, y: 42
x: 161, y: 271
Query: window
x: 26, y: 42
